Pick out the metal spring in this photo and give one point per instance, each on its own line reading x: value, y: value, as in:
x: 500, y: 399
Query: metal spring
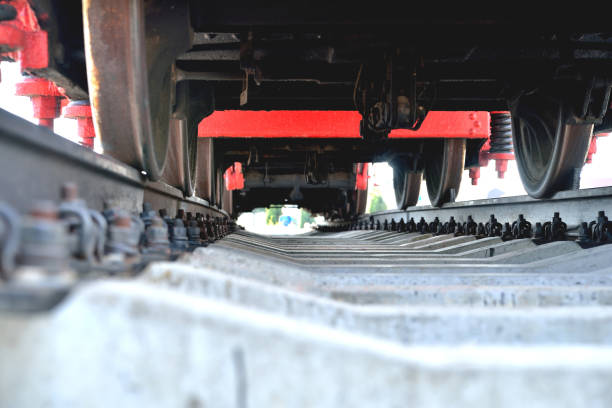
x: 501, y: 133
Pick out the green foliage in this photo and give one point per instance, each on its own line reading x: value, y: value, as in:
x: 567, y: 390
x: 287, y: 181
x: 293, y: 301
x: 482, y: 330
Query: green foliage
x: 377, y: 203
x: 272, y: 215
x: 305, y: 216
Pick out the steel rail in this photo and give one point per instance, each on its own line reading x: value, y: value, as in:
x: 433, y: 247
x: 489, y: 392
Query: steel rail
x: 34, y: 163
x: 574, y: 207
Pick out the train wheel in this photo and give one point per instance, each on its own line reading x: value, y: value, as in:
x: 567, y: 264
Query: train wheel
x: 407, y: 186
x: 224, y: 198
x: 361, y: 201
x: 227, y: 201
x: 359, y: 196
x: 356, y: 205
x: 130, y: 53
x: 192, y: 105
x: 219, y: 187
x: 548, y: 150
x: 181, y: 162
x: 443, y: 169
x: 205, y: 170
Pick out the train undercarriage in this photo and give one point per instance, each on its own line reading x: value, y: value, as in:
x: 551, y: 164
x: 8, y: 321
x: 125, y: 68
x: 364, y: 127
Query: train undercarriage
x: 152, y: 70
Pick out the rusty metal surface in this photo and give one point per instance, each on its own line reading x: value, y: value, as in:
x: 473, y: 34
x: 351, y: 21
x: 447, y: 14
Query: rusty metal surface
x: 130, y: 82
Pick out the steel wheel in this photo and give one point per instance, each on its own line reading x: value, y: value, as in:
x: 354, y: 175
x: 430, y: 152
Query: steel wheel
x: 549, y: 152
x: 130, y: 52
x: 219, y: 187
x: 192, y: 156
x: 180, y: 169
x: 407, y: 186
x: 358, y: 199
x: 205, y: 169
x: 227, y: 203
x: 356, y: 204
x: 225, y: 197
x: 181, y: 162
x: 361, y: 202
x: 443, y: 170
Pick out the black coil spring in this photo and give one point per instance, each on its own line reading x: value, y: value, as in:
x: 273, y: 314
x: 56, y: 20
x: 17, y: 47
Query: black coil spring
x: 501, y: 133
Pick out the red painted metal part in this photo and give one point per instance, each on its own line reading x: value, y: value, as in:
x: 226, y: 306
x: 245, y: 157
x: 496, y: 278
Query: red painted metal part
x: 592, y: 150
x: 22, y: 39
x: 361, y: 181
x: 474, y: 175
x: 483, y: 161
x: 501, y: 160
x: 335, y: 124
x: 234, y: 179
x: 593, y: 147
x: 81, y: 111
x: 46, y: 99
x: 330, y: 124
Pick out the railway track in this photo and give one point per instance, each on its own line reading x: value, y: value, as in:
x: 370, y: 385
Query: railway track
x: 35, y: 163
x: 384, y: 310
x: 67, y: 214
x: 575, y: 207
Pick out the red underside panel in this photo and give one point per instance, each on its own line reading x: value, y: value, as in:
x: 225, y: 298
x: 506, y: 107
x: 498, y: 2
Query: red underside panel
x: 361, y: 181
x: 335, y: 124
x: 234, y: 179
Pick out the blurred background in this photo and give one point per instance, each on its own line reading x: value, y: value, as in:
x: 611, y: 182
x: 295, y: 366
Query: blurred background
x: 289, y: 219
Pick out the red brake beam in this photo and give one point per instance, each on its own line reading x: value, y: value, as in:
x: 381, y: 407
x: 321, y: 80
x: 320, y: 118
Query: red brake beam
x: 336, y: 124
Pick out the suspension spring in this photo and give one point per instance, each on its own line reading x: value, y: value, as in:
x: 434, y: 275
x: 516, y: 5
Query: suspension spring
x: 501, y: 133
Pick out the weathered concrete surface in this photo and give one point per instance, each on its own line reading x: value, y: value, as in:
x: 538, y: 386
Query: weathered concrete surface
x: 132, y: 344
x: 353, y: 254
x: 446, y: 248
x: 238, y: 260
x: 475, y: 286
x: 479, y: 295
x: 252, y: 321
x: 416, y: 323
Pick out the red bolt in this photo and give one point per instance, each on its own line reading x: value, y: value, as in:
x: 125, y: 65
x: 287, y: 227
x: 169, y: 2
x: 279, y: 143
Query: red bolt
x: 45, y: 97
x: 501, y: 162
x: 81, y: 111
x: 501, y: 165
x: 474, y: 175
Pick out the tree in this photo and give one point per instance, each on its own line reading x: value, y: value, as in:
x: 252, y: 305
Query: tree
x: 272, y: 215
x: 377, y: 203
x: 305, y: 216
